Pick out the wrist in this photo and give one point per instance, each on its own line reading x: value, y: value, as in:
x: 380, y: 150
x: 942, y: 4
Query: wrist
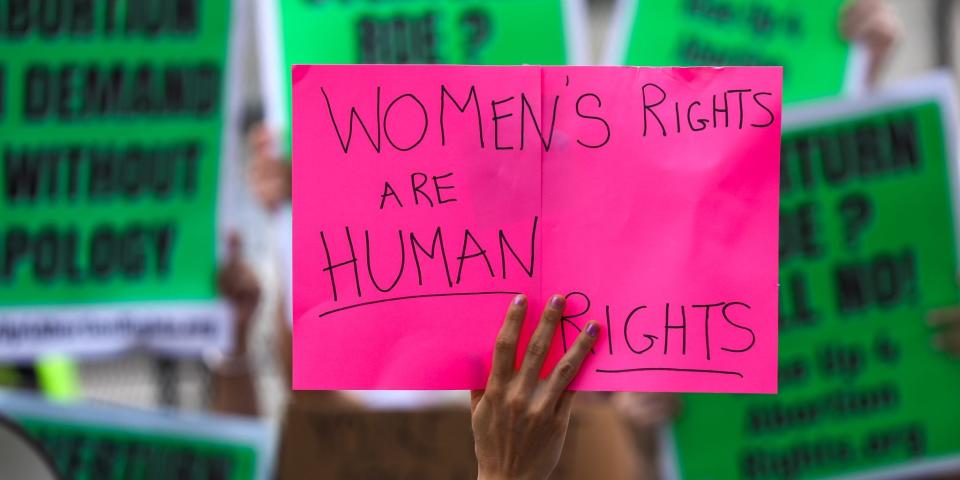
x: 498, y: 476
x: 483, y: 476
x: 486, y: 474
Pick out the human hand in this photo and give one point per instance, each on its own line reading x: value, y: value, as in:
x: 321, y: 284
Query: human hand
x: 269, y: 176
x: 238, y: 284
x: 646, y: 410
x: 520, y: 421
x: 875, y: 24
x: 946, y: 321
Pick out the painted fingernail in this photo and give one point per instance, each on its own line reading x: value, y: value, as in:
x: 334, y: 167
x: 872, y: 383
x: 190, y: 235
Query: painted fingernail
x: 592, y: 329
x: 556, y: 302
x: 519, y: 299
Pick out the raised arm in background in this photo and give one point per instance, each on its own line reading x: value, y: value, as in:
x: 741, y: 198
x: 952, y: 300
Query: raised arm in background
x: 875, y: 25
x: 233, y: 383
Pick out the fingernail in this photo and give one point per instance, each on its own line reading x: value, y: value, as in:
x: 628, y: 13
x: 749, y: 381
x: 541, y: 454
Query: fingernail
x: 556, y: 302
x: 592, y: 329
x: 519, y: 300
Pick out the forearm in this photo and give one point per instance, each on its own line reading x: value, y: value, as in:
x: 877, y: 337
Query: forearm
x: 234, y: 388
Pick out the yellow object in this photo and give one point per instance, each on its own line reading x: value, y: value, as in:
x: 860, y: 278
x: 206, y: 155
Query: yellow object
x: 57, y: 376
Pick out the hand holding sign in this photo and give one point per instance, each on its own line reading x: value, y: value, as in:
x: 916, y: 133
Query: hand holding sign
x: 520, y: 421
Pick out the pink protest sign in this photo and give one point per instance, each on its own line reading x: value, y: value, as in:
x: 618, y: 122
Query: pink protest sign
x: 426, y: 197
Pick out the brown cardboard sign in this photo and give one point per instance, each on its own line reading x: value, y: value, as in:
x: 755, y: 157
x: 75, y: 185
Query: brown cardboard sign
x: 436, y: 444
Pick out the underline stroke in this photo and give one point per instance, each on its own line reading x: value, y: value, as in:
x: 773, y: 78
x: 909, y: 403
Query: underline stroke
x: 665, y: 369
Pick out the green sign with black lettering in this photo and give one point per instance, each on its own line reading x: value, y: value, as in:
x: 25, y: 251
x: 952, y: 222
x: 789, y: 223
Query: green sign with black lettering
x: 82, y: 451
x: 867, y: 248
x: 112, y: 121
x: 104, y: 442
x: 476, y: 32
x: 803, y: 37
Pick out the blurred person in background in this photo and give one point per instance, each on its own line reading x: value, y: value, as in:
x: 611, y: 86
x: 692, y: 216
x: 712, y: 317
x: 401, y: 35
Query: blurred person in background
x: 232, y: 374
x: 232, y: 381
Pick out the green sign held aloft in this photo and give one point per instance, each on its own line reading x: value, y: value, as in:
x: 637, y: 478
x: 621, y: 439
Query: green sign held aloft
x: 105, y: 442
x: 867, y: 248
x: 112, y: 120
x: 481, y: 32
x: 802, y: 36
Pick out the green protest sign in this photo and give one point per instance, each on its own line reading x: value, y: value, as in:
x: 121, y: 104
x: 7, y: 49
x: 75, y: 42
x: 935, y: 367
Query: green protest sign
x: 481, y: 32
x: 113, y: 119
x: 803, y: 37
x: 94, y: 441
x: 867, y: 248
